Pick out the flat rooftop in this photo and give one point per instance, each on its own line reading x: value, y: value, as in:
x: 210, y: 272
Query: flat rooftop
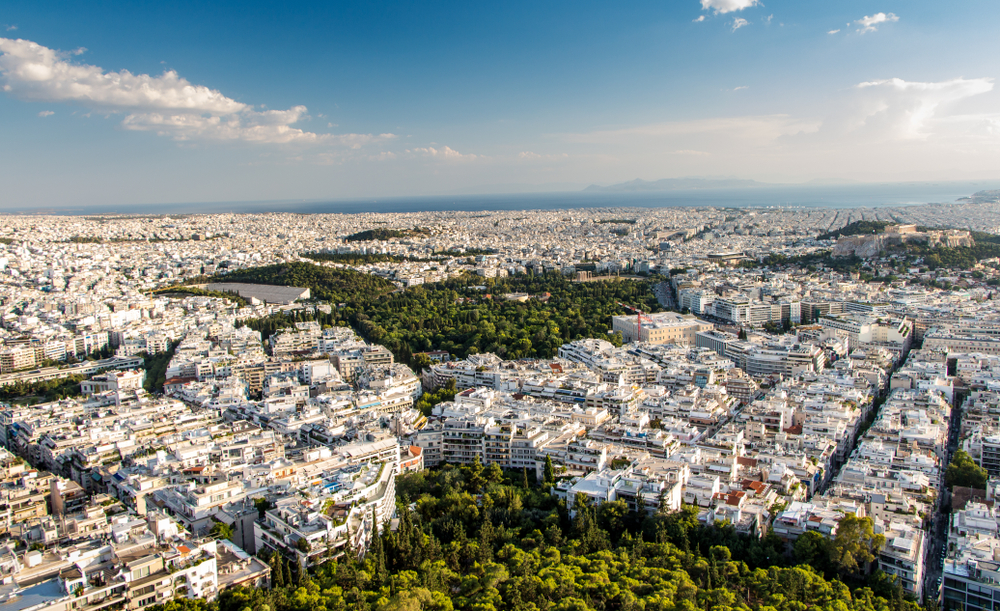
x: 34, y: 596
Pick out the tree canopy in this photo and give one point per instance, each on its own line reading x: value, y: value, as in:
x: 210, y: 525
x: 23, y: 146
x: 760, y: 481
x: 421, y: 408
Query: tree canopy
x: 354, y: 258
x: 325, y: 283
x: 963, y: 471
x: 221, y: 530
x: 382, y: 233
x: 509, y: 547
x: 45, y: 390
x: 856, y: 228
x: 458, y: 315
x: 855, y: 545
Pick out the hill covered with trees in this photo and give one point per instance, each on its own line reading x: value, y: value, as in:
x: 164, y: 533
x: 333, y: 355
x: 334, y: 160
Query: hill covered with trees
x: 855, y: 228
x: 483, y: 540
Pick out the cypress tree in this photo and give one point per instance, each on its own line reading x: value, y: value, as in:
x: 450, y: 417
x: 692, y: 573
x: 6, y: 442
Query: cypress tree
x: 486, y: 536
x: 377, y: 551
x: 276, y: 573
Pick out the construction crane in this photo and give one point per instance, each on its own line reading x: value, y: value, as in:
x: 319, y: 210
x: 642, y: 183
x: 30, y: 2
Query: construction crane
x: 639, y: 315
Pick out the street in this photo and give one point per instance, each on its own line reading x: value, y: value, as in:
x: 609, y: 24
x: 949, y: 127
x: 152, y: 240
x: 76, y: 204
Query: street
x: 938, y: 531
x: 665, y: 295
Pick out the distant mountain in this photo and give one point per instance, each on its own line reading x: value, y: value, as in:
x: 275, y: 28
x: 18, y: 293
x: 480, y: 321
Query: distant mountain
x: 832, y: 182
x: 671, y: 184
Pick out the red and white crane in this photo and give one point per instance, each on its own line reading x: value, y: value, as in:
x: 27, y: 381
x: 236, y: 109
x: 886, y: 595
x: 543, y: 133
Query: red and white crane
x: 639, y: 316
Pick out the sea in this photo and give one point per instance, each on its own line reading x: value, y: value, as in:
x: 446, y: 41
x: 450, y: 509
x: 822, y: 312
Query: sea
x: 865, y: 195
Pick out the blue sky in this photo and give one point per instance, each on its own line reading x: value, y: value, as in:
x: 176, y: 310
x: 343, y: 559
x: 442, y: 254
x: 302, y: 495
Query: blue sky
x: 179, y: 102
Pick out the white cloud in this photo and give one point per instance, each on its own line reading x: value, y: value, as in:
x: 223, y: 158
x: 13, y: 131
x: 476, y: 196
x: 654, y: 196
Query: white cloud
x: 168, y: 104
x: 446, y: 153
x: 46, y: 113
x: 872, y: 113
x: 739, y: 22
x: 727, y: 6
x: 36, y: 73
x: 906, y: 110
x: 11, y: 28
x: 887, y: 129
x: 699, y: 19
x: 741, y: 87
x: 869, y: 24
x: 269, y: 126
x: 833, y: 31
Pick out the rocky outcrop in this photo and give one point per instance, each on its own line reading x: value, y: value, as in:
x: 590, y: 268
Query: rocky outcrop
x: 866, y: 246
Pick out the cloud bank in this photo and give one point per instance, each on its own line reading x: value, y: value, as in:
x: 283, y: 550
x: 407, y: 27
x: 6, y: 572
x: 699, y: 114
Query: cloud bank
x: 445, y: 153
x: 168, y: 104
x: 887, y: 129
x: 727, y: 6
x: 908, y: 110
x: 870, y: 24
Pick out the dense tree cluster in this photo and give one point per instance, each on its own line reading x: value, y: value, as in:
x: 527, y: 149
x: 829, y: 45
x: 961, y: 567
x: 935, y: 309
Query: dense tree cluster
x: 355, y: 258
x: 849, y: 553
x: 463, y: 320
x: 480, y: 540
x: 156, y: 368
x: 47, y: 390
x: 855, y: 228
x: 221, y: 530
x: 325, y: 283
x: 985, y: 246
x: 428, y: 400
x: 959, y: 257
x: 468, y: 252
x: 386, y: 234
x: 458, y: 315
x: 963, y: 471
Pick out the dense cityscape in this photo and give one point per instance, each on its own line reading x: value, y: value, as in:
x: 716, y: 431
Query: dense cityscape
x: 519, y: 306
x: 623, y: 408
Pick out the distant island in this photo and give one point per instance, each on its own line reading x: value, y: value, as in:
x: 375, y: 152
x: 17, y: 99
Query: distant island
x: 671, y: 184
